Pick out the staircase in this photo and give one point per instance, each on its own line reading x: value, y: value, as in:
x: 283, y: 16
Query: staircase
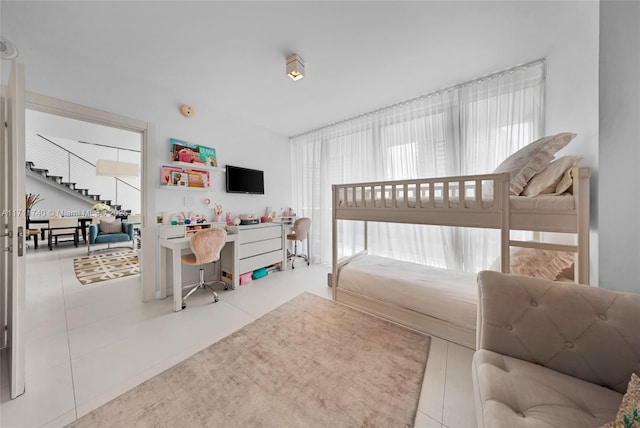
x: 70, y: 188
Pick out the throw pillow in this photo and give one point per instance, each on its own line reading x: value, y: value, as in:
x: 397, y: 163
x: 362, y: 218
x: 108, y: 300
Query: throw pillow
x: 565, y: 182
x: 546, y: 181
x: 629, y: 411
x: 110, y: 226
x: 537, y: 263
x: 531, y: 159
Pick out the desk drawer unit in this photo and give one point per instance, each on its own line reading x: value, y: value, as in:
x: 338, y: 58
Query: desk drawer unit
x: 259, y: 234
x: 259, y: 247
x: 256, y: 262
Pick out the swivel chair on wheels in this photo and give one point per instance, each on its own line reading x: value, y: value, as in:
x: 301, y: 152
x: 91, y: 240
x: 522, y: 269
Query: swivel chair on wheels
x: 206, y: 246
x: 300, y: 233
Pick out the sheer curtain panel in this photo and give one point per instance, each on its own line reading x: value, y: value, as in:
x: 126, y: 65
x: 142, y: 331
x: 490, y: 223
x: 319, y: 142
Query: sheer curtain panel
x: 466, y: 129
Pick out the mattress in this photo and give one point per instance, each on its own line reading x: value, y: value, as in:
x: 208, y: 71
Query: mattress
x: 444, y: 294
x: 561, y: 202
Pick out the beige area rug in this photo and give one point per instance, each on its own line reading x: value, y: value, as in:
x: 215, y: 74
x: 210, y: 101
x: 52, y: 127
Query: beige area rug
x: 309, y: 363
x: 103, y: 267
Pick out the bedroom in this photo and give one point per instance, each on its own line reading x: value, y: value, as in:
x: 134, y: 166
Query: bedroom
x: 238, y: 108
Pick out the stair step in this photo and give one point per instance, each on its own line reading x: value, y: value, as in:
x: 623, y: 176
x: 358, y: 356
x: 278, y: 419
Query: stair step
x: 71, y: 185
x: 41, y: 171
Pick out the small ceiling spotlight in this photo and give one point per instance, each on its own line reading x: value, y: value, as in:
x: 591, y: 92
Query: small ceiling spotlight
x: 295, y: 67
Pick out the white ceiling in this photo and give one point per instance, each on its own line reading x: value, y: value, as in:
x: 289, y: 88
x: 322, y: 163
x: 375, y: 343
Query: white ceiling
x: 359, y: 56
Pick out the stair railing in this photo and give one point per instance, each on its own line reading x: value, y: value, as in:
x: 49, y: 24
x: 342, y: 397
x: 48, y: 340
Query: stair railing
x: 71, y: 168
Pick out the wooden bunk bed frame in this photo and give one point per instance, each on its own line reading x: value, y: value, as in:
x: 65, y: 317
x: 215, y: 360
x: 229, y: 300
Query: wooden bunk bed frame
x: 455, y: 201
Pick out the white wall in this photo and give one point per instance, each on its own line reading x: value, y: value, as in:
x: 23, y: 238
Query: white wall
x: 236, y: 142
x: 55, y: 203
x: 619, y: 198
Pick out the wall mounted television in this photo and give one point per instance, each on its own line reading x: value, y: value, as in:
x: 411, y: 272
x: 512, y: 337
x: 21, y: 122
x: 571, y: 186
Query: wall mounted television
x: 244, y: 180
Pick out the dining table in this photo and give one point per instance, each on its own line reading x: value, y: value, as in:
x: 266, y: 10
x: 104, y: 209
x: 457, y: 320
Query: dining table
x: 83, y: 222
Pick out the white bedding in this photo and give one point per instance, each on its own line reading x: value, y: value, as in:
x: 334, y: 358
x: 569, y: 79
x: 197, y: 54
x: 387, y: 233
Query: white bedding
x: 447, y: 295
x: 564, y: 201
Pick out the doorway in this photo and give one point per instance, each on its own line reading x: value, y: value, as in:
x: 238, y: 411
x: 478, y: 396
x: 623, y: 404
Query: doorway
x: 148, y: 173
x: 147, y: 259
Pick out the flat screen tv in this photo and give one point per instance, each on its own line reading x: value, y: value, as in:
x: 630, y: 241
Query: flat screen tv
x: 244, y: 180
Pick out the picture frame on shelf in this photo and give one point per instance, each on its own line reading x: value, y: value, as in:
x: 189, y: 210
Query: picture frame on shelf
x: 180, y: 178
x: 198, y: 155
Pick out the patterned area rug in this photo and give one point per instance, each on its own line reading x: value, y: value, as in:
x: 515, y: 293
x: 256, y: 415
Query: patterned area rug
x: 309, y: 363
x: 103, y: 267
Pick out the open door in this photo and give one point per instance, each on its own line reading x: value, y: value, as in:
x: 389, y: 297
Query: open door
x: 12, y: 226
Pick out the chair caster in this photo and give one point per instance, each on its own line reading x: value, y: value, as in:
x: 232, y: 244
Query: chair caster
x: 184, y: 306
x: 215, y: 299
x: 226, y: 287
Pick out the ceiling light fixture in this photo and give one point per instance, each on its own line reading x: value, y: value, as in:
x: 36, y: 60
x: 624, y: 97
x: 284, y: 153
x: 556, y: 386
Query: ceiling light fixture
x: 295, y: 67
x: 116, y: 168
x: 7, y: 49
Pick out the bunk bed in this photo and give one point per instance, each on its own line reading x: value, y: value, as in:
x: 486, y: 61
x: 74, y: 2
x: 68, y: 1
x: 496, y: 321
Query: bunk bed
x: 390, y: 289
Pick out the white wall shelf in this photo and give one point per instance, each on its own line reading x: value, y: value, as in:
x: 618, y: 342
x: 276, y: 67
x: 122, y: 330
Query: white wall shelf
x: 187, y: 188
x: 198, y: 166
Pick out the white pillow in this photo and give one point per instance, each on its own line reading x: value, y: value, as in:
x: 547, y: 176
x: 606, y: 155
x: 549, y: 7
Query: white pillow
x: 546, y: 181
x: 565, y: 182
x: 531, y: 159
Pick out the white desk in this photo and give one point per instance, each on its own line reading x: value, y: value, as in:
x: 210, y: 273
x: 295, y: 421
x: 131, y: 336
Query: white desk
x: 174, y: 247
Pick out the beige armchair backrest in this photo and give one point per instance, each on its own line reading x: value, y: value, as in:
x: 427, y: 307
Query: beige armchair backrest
x: 586, y: 332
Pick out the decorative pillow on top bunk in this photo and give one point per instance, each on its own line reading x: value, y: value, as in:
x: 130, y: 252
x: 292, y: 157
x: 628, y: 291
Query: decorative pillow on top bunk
x: 531, y: 159
x: 547, y: 181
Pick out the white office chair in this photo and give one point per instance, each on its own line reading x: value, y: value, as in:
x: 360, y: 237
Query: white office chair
x: 300, y: 233
x: 206, y: 246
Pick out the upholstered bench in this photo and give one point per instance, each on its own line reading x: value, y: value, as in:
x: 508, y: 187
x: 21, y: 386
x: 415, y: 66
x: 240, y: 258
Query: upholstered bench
x: 552, y: 354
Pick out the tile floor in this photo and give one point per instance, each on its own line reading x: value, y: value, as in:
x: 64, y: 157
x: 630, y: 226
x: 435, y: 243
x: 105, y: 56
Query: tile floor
x: 85, y: 345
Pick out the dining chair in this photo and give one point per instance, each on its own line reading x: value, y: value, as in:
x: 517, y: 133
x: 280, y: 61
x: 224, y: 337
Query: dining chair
x: 63, y: 226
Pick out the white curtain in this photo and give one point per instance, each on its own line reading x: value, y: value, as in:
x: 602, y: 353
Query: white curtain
x: 466, y: 129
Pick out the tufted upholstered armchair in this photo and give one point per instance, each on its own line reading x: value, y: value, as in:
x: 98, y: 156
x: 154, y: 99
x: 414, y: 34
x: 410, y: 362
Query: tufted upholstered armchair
x: 552, y: 354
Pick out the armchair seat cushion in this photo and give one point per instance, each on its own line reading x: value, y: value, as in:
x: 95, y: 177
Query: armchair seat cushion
x: 519, y: 393
x: 124, y: 234
x: 107, y: 238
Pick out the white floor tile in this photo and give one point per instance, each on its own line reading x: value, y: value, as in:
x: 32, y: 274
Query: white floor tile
x: 459, y: 410
x: 47, y: 352
x: 48, y: 394
x: 432, y: 394
x: 424, y: 421
x: 61, y: 421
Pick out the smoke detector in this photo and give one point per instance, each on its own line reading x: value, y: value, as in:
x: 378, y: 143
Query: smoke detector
x: 7, y: 49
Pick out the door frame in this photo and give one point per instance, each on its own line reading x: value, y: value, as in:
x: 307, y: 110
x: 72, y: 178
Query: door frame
x: 149, y: 171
